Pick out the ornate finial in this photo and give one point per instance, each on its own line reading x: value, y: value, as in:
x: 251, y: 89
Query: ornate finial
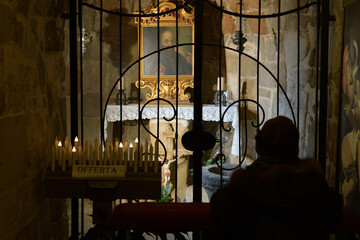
x: 239, y: 41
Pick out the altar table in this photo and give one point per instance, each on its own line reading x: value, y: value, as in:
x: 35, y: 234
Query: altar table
x: 210, y: 113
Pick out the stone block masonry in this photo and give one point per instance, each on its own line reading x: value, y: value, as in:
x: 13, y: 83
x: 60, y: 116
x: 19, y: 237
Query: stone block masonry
x: 32, y: 110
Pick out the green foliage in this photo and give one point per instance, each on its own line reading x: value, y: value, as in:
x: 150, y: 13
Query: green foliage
x: 166, y: 194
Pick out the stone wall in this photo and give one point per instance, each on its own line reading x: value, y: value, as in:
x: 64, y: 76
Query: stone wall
x: 268, y: 56
x: 32, y: 113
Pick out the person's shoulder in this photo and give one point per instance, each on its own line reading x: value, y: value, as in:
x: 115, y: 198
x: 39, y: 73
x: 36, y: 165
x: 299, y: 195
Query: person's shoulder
x: 307, y: 166
x: 310, y: 165
x: 238, y: 175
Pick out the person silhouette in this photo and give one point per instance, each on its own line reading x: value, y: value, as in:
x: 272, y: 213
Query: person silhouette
x: 279, y: 196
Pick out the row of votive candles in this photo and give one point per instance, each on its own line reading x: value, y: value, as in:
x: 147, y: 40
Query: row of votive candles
x: 127, y: 154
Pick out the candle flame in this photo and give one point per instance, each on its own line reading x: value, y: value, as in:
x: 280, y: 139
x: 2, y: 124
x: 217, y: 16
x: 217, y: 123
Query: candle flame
x: 76, y: 139
x: 131, y: 145
x: 73, y: 149
x: 136, y: 140
x: 121, y: 145
x: 59, y: 144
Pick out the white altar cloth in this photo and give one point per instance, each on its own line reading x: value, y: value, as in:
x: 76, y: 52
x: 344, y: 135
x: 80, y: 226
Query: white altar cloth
x: 210, y: 113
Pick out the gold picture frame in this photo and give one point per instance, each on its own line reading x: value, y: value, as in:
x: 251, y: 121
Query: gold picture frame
x: 165, y: 57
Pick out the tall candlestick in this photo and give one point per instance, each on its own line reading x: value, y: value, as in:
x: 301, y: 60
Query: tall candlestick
x: 222, y: 81
x: 122, y: 83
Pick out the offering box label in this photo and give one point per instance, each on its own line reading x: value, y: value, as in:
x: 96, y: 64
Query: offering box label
x: 91, y: 171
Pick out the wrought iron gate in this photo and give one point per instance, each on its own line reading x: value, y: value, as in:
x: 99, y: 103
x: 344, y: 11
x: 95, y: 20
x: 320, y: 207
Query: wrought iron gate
x: 197, y: 140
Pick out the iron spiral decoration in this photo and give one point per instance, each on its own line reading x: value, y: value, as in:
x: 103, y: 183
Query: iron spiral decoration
x: 165, y: 118
x: 254, y: 124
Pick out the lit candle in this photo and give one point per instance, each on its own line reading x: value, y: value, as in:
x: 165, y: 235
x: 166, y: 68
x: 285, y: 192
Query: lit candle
x: 53, y: 159
x: 136, y: 154
x: 59, y: 153
x: 222, y: 81
x: 76, y: 142
x: 74, y: 154
x: 121, y: 149
x: 131, y: 154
